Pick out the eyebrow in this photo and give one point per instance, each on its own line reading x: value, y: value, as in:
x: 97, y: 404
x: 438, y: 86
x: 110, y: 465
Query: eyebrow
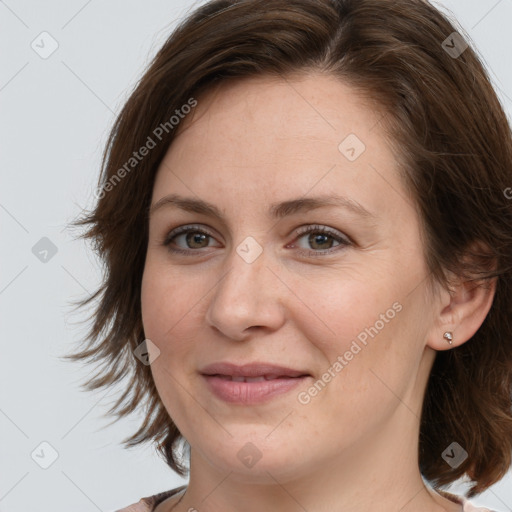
x: 277, y: 210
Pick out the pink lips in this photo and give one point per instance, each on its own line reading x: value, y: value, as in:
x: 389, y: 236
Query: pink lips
x: 250, y: 383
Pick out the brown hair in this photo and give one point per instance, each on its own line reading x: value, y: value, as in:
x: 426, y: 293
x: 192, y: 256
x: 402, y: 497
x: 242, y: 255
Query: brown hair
x: 452, y: 143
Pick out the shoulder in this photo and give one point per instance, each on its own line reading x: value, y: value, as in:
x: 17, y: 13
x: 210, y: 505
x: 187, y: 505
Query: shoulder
x: 148, y: 503
x: 467, y: 506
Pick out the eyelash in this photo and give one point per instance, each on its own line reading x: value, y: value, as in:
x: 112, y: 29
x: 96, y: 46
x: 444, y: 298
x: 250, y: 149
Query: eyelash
x: 300, y: 232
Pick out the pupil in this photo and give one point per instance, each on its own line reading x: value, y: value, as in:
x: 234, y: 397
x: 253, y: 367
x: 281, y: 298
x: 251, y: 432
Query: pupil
x: 196, y: 238
x: 318, y: 237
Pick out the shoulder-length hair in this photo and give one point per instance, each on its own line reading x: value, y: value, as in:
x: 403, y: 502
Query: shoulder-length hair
x: 453, y: 148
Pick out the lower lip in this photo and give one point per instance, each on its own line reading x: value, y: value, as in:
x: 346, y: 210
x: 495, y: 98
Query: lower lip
x: 250, y: 392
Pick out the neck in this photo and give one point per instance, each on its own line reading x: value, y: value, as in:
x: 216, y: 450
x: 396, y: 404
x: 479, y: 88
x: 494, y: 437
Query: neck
x: 379, y: 473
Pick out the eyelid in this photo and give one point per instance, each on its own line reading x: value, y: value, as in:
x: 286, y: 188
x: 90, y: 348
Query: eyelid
x: 308, y: 228
x: 185, y: 229
x: 342, y: 239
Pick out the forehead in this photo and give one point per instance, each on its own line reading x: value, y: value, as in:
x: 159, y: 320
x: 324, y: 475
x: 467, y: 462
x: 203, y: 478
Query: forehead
x: 280, y: 137
x: 273, y: 110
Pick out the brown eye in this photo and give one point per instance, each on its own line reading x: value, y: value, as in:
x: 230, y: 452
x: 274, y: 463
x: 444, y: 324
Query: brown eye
x: 321, y: 240
x: 189, y: 238
x: 196, y: 239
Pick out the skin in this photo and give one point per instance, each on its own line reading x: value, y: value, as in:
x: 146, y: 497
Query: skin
x: 353, y: 447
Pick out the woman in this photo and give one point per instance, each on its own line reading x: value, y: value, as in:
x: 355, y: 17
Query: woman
x: 307, y: 234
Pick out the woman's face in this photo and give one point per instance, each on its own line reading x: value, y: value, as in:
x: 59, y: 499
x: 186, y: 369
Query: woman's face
x: 347, y: 307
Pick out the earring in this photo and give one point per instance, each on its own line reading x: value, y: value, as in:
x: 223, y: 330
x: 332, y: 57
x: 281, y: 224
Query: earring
x: 448, y: 337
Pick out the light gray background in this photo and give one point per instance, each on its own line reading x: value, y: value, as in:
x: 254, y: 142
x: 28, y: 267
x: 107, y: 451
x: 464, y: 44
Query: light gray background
x: 55, y: 116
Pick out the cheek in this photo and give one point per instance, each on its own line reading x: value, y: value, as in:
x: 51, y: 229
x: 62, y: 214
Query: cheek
x: 345, y: 312
x: 363, y: 337
x: 166, y: 302
x: 173, y: 316
x: 168, y: 316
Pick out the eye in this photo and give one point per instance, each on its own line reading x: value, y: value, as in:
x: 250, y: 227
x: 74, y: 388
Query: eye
x: 321, y: 238
x: 193, y: 237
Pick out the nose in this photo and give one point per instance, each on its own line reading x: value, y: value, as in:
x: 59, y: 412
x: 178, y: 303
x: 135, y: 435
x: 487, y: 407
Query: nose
x: 248, y: 297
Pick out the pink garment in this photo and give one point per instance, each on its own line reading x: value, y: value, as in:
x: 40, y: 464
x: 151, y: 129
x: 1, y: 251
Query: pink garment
x: 149, y: 503
x: 467, y: 506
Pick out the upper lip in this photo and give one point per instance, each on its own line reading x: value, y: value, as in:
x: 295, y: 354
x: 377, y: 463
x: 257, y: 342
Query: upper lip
x: 250, y: 370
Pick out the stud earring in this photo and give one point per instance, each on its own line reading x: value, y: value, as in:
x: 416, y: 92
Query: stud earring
x: 448, y: 337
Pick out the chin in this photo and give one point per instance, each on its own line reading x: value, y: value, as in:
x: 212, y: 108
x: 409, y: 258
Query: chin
x: 257, y: 457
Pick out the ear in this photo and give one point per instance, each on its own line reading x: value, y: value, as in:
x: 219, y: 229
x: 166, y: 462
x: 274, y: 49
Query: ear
x: 461, y: 311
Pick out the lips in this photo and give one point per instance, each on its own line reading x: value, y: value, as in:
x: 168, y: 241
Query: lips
x: 264, y: 371
x: 260, y: 378
x: 250, y: 383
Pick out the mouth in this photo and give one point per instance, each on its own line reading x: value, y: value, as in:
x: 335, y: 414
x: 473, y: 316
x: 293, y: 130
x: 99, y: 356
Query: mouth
x: 251, y: 383
x: 251, y: 370
x: 260, y: 378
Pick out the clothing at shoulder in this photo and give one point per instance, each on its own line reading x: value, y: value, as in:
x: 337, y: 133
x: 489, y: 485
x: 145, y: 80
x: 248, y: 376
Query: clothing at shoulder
x: 149, y: 503
x: 467, y: 506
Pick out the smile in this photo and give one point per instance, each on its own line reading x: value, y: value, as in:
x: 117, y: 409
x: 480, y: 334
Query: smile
x: 250, y: 390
